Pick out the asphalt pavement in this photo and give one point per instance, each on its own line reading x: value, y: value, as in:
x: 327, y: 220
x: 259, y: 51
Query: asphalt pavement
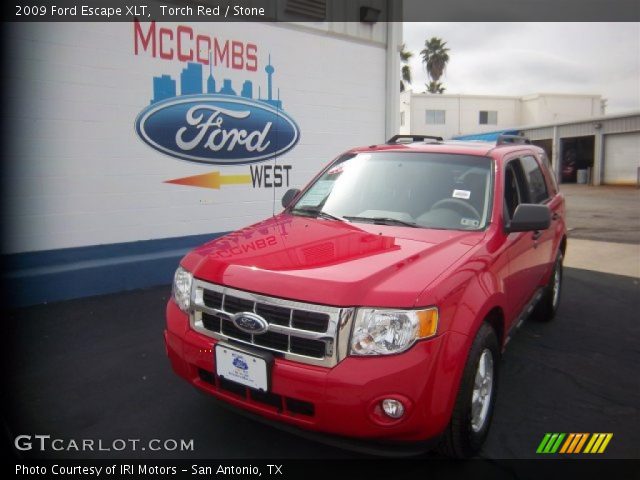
x: 603, y: 213
x: 96, y: 368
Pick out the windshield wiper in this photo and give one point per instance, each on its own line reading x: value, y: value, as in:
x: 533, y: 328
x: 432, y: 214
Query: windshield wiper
x: 383, y: 221
x: 315, y: 212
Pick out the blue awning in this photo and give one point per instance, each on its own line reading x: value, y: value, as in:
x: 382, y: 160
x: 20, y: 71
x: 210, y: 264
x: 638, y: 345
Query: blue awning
x: 486, y: 137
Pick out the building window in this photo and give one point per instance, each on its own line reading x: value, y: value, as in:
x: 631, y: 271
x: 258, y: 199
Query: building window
x: 488, y: 117
x: 435, y: 117
x: 402, y: 119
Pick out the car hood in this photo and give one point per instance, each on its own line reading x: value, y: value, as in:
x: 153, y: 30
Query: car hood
x: 331, y: 262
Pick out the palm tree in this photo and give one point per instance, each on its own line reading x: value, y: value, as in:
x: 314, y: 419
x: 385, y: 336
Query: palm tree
x: 435, y: 87
x: 435, y: 56
x: 405, y: 56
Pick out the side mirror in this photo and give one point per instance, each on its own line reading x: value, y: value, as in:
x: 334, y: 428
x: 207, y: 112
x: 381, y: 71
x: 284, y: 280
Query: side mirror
x: 289, y: 196
x: 529, y: 217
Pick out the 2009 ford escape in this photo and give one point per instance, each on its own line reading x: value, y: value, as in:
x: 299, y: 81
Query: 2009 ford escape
x: 376, y: 306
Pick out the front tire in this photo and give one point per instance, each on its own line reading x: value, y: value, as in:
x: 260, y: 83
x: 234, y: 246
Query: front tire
x: 473, y: 410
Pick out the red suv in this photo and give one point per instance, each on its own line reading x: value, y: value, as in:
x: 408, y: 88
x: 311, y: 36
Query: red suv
x: 374, y: 309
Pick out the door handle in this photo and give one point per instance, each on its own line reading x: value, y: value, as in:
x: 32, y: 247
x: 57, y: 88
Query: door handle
x: 555, y: 216
x: 537, y: 234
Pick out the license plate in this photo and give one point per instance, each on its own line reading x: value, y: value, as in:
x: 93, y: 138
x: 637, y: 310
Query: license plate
x: 241, y: 367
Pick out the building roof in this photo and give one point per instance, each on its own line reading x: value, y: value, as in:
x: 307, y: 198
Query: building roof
x: 600, y: 118
x: 492, y: 136
x: 528, y: 96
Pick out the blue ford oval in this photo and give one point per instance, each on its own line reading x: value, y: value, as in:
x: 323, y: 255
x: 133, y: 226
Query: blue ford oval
x: 250, y: 322
x: 240, y: 363
x: 217, y: 129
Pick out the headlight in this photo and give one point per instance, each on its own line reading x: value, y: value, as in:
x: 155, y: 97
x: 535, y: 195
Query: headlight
x: 182, y: 281
x: 382, y: 332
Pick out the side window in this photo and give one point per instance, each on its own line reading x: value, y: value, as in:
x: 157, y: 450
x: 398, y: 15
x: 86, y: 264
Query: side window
x: 551, y: 174
x: 536, y: 184
x: 512, y: 188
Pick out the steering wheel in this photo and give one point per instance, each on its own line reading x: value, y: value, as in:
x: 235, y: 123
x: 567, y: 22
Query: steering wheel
x: 457, y: 203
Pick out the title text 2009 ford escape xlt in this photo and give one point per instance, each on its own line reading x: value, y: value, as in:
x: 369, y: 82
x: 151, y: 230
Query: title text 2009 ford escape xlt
x: 376, y: 306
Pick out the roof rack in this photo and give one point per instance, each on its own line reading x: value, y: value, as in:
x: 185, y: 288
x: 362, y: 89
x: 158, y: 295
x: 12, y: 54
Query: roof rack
x: 413, y: 138
x: 512, y: 140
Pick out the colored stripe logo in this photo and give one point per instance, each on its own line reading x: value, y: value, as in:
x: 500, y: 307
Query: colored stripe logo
x: 574, y: 443
x: 212, y: 180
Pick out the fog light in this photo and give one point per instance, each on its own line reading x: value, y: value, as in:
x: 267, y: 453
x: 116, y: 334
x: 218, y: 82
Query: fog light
x: 392, y: 408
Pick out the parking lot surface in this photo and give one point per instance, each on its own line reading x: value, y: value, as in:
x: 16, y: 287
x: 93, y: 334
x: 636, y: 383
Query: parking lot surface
x: 95, y: 368
x: 604, y: 213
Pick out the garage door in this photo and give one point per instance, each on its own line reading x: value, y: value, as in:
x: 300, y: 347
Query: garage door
x: 621, y: 158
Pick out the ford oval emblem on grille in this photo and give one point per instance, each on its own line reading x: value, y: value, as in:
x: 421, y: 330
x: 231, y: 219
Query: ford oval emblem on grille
x: 250, y: 323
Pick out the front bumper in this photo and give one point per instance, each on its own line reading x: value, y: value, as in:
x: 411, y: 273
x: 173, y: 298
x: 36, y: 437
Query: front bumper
x: 344, y: 400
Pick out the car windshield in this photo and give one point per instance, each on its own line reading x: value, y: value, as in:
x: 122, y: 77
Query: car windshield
x: 411, y: 189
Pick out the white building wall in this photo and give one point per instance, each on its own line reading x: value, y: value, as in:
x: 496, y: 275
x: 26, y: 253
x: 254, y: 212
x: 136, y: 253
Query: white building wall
x: 78, y: 173
x: 405, y: 112
x: 550, y: 108
x: 420, y: 104
x: 530, y: 111
x: 508, y: 112
x: 462, y: 111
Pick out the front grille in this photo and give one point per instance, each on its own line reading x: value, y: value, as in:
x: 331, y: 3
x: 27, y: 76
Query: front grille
x: 236, y: 305
x: 304, y: 346
x: 275, y: 341
x: 291, y: 405
x: 232, y: 387
x: 299, y: 331
x: 273, y: 314
x: 267, y: 398
x: 299, y: 406
x: 211, y: 322
x: 316, y: 322
x: 231, y: 331
x: 212, y: 299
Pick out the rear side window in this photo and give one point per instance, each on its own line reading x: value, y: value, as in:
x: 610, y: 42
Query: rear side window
x: 535, y: 180
x: 550, y: 173
x: 514, y: 193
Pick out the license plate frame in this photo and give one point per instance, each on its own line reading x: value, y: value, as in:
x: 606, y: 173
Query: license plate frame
x: 243, y: 366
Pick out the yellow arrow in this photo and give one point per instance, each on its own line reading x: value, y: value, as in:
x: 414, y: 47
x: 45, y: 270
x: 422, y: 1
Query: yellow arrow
x: 212, y: 180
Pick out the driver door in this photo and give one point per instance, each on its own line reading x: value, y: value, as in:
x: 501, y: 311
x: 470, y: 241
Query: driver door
x: 522, y: 271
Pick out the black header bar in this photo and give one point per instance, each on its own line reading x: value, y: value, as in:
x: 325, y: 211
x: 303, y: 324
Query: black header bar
x: 365, y: 11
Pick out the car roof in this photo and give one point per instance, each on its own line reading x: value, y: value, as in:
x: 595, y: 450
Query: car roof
x: 473, y: 148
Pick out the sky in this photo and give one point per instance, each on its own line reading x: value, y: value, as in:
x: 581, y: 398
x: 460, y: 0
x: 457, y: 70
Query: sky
x: 524, y: 58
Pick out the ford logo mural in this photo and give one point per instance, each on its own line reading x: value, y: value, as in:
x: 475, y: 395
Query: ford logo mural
x: 217, y: 129
x: 250, y: 323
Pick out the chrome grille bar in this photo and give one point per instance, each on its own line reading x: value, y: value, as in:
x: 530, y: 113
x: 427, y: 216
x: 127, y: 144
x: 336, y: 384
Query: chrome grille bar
x: 323, y: 348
